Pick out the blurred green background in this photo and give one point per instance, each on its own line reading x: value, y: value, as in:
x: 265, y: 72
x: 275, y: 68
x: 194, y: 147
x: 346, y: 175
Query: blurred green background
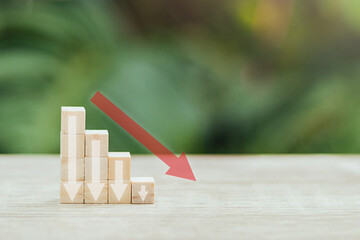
x: 204, y: 76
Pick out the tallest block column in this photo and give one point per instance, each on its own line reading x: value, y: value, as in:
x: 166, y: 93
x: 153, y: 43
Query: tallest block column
x: 72, y: 154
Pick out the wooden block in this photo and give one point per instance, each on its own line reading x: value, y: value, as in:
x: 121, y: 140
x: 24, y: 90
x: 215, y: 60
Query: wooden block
x: 96, y: 191
x: 97, y: 143
x: 71, y: 192
x: 72, y: 145
x: 119, y: 166
x: 73, y: 120
x: 96, y: 168
x: 119, y: 191
x: 143, y: 190
x: 72, y: 169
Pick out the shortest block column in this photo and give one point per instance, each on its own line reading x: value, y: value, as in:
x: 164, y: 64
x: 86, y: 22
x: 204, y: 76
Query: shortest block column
x: 143, y: 190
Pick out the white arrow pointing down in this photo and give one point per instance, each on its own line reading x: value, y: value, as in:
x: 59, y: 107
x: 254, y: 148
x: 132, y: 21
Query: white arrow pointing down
x: 143, y: 193
x: 95, y: 187
x: 72, y: 187
x: 119, y: 188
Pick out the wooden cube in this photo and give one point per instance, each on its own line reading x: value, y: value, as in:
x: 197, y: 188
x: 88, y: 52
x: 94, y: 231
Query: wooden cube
x: 119, y: 166
x: 119, y: 191
x: 73, y: 120
x: 71, y: 192
x: 97, y: 143
x: 72, y: 169
x: 143, y: 190
x: 96, y: 191
x: 96, y: 168
x: 72, y: 146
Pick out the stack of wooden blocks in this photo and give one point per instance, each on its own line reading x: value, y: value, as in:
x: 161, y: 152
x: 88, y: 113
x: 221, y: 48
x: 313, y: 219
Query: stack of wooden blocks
x: 91, y: 174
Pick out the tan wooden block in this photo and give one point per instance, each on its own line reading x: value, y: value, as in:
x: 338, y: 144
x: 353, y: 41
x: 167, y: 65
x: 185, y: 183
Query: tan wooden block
x: 96, y: 168
x: 72, y: 145
x: 71, y: 192
x: 73, y: 120
x: 143, y: 190
x: 96, y: 191
x: 72, y: 169
x: 119, y: 166
x: 119, y: 191
x: 97, y: 143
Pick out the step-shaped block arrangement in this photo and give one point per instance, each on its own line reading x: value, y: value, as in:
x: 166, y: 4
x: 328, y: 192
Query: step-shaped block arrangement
x: 91, y: 174
x: 72, y: 147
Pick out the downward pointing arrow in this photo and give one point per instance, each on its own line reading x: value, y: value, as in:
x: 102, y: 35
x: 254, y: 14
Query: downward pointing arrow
x: 95, y: 186
x: 143, y: 193
x: 95, y: 189
x: 72, y: 188
x: 119, y: 189
x: 179, y: 167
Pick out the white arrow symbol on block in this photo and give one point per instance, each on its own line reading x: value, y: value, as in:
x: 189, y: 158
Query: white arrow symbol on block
x: 95, y: 186
x: 96, y: 189
x: 143, y: 192
x: 119, y: 188
x: 72, y: 188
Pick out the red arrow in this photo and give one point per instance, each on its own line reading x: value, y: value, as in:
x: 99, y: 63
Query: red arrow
x: 179, y: 166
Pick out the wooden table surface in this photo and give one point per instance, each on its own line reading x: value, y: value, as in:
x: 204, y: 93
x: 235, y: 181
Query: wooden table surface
x: 235, y: 197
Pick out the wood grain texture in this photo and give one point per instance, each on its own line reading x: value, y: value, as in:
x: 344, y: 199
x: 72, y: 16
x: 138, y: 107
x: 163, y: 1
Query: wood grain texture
x: 119, y: 166
x: 72, y: 145
x: 246, y: 197
x: 102, y: 168
x: 67, y: 164
x: 142, y: 190
x: 96, y: 192
x: 72, y: 192
x: 119, y: 192
x: 101, y: 137
x: 78, y: 113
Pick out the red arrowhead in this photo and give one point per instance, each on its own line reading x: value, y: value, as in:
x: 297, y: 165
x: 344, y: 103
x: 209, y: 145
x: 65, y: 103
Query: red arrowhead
x: 181, y: 168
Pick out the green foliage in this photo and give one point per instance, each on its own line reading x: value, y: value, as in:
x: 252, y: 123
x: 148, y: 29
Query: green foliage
x: 200, y: 81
